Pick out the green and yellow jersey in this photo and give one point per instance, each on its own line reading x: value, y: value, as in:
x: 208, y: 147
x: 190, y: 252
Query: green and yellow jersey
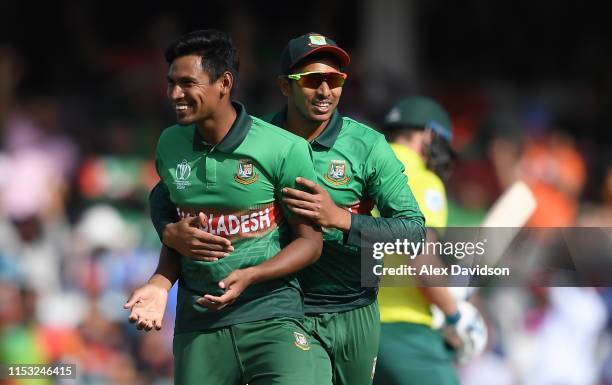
x: 355, y: 164
x: 238, y: 185
x: 407, y: 304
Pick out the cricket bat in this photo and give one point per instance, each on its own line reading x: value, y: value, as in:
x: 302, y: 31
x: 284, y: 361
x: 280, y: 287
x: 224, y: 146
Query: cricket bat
x: 501, y: 225
x: 512, y: 209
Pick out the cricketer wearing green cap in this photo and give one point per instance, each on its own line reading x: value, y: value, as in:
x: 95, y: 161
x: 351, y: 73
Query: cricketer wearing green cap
x: 411, y: 352
x: 217, y: 164
x: 355, y: 170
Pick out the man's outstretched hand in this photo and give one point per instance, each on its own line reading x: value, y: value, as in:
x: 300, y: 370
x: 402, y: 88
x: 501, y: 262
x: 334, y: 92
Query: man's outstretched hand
x: 148, y: 304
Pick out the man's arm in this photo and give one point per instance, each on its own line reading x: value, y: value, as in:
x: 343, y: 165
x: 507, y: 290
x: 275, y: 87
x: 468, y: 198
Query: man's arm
x: 439, y: 296
x: 443, y: 299
x: 183, y: 235
x: 302, y: 251
x: 148, y: 303
x: 168, y: 269
x: 307, y: 238
x: 386, y: 184
x: 163, y: 211
x: 400, y: 216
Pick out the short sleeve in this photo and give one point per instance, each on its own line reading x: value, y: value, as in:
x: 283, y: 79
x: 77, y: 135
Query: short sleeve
x: 296, y: 161
x: 162, y: 210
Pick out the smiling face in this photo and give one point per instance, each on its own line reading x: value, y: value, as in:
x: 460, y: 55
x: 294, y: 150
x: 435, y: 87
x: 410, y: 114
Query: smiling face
x: 315, y: 104
x: 190, y: 91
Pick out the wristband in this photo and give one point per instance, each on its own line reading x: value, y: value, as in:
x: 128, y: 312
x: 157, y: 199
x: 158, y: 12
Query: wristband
x: 452, y: 319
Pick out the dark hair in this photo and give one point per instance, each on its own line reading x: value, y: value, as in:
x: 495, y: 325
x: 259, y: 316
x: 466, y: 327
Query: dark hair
x: 214, y: 47
x: 440, y: 157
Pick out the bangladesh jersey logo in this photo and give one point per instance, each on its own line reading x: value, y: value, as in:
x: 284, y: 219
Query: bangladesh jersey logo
x: 181, y: 174
x: 301, y: 341
x: 336, y: 174
x: 246, y: 172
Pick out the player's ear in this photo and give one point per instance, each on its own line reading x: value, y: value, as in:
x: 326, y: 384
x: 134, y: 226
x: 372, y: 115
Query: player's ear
x: 226, y: 82
x: 283, y: 84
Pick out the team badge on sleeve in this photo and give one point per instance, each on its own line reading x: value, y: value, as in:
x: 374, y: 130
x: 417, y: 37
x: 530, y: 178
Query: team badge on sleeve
x: 301, y: 341
x: 246, y: 172
x: 336, y: 174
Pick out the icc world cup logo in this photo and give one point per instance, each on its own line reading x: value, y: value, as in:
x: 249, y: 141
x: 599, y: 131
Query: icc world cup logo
x: 183, y: 170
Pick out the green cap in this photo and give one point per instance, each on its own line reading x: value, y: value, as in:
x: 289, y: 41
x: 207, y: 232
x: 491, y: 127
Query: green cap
x: 303, y: 46
x: 419, y: 111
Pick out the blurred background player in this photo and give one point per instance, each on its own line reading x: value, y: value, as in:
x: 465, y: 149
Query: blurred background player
x: 355, y: 169
x: 411, y: 351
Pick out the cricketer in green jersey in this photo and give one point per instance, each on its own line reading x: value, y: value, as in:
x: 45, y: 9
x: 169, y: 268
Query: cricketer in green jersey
x: 216, y: 163
x: 355, y: 169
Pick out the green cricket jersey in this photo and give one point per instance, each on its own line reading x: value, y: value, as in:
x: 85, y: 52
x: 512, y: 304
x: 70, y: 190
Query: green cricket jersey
x: 358, y: 168
x: 237, y: 184
x: 355, y: 164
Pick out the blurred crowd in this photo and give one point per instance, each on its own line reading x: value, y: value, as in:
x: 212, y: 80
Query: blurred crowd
x: 76, y: 166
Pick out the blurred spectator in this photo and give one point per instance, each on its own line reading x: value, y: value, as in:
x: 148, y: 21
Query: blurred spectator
x: 21, y: 338
x: 566, y: 342
x: 36, y: 126
x: 32, y: 232
x: 556, y: 173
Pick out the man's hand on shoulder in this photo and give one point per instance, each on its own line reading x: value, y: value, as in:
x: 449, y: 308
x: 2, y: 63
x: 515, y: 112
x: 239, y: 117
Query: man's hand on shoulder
x: 318, y: 206
x: 186, y: 237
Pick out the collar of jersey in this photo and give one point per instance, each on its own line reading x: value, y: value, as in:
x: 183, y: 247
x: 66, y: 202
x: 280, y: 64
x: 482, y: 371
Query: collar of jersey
x: 234, y: 136
x: 328, y: 136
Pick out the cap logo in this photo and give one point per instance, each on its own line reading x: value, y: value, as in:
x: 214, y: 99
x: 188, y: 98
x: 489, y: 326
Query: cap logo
x: 394, y: 115
x: 317, y: 40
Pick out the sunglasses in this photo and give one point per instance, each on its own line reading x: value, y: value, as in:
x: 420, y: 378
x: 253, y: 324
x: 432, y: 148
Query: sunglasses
x: 314, y: 79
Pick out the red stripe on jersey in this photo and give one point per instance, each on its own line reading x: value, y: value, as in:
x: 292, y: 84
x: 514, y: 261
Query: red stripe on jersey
x: 248, y: 223
x: 363, y: 207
